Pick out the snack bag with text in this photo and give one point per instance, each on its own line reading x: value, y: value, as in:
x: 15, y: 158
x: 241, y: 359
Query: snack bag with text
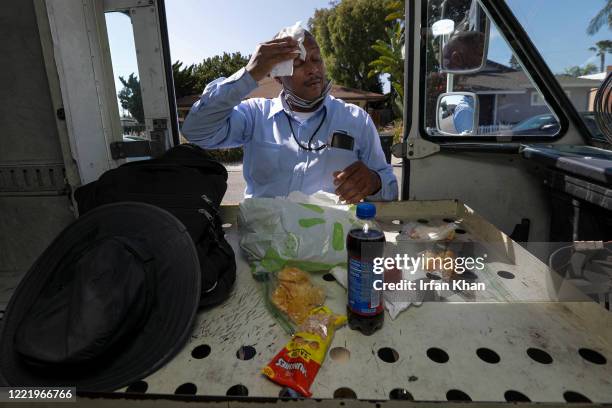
x: 297, y: 364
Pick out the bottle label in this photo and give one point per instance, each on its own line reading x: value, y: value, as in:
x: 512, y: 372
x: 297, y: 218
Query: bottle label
x: 363, y: 299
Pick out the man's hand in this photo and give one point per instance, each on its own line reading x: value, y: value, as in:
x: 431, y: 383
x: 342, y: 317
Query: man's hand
x: 269, y: 54
x: 356, y: 182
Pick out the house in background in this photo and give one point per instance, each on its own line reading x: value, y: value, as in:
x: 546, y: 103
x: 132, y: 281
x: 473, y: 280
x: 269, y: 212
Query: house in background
x: 268, y: 88
x: 600, y: 76
x: 131, y: 127
x: 507, y: 96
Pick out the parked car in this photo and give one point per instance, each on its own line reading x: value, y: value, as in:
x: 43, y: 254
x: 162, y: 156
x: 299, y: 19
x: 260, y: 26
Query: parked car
x: 544, y: 124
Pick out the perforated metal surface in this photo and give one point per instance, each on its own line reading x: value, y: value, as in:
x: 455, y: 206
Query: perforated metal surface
x: 441, y: 350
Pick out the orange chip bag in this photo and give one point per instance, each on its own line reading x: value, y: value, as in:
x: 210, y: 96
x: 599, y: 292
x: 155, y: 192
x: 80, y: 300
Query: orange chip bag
x: 297, y: 364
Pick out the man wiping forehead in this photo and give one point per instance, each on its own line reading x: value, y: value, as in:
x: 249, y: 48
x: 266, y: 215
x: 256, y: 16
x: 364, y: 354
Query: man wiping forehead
x: 304, y: 140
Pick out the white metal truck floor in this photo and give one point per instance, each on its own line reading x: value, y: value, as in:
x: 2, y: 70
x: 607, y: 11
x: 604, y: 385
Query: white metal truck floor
x: 542, y: 350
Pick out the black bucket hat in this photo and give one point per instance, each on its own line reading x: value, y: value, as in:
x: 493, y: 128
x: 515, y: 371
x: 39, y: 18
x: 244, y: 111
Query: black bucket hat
x: 110, y: 301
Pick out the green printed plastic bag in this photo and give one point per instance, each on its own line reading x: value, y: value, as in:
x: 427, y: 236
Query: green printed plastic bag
x: 308, y: 232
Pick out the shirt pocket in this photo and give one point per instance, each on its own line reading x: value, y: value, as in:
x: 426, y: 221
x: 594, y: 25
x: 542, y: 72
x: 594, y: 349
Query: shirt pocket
x: 265, y: 162
x: 338, y: 159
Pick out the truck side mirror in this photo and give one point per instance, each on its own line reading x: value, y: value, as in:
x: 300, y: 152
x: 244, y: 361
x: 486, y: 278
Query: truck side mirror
x: 457, y: 114
x: 463, y: 48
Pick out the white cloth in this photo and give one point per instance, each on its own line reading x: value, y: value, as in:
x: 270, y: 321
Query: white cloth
x: 296, y: 32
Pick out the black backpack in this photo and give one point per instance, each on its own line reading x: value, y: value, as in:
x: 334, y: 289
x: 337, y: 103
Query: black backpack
x: 186, y: 182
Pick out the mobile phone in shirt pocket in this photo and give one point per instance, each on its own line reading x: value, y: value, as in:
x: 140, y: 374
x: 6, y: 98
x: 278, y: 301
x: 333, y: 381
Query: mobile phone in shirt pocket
x: 342, y: 140
x: 341, y: 152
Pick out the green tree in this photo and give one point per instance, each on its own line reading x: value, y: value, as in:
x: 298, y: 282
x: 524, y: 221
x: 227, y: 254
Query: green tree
x: 346, y: 32
x: 604, y: 16
x: 184, y: 79
x: 577, y: 71
x: 602, y: 48
x: 514, y: 64
x: 218, y: 66
x: 130, y: 97
x: 390, y: 52
x: 187, y: 80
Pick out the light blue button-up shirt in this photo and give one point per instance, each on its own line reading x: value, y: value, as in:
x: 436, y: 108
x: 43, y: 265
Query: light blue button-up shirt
x: 274, y: 164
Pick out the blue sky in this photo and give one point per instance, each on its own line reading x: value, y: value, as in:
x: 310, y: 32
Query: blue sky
x: 198, y: 29
x: 203, y: 28
x: 558, y: 30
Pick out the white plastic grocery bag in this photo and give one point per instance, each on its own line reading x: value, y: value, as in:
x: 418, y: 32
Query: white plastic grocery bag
x: 295, y: 231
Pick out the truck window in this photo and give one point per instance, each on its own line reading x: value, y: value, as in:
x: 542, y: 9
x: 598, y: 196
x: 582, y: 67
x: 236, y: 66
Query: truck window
x: 573, y: 38
x: 507, y: 102
x: 126, y: 76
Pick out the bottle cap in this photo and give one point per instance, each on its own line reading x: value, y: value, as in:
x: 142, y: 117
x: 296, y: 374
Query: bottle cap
x: 366, y: 210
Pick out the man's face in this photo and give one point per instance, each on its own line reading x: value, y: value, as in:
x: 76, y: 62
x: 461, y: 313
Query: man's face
x: 465, y: 52
x: 308, y: 79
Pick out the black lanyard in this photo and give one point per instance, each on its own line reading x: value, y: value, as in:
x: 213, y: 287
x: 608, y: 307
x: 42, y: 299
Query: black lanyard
x: 308, y: 148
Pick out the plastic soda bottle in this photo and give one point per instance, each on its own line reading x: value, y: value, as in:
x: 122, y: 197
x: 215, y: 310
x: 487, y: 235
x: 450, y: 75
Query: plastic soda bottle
x: 365, y: 304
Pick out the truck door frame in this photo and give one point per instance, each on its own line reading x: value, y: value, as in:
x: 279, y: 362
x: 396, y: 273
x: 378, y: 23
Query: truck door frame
x: 155, y: 56
x: 521, y: 44
x: 429, y: 160
x: 81, y: 55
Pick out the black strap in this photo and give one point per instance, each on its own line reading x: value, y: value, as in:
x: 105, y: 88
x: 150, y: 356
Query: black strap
x: 309, y: 147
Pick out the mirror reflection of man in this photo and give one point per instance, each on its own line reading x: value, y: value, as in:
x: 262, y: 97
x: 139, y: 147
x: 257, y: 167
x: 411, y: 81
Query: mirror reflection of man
x: 287, y: 139
x: 463, y: 51
x: 463, y: 115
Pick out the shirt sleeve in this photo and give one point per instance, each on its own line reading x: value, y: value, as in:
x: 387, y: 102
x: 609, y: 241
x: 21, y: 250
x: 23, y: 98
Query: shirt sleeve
x: 220, y: 118
x: 463, y: 119
x: 374, y: 157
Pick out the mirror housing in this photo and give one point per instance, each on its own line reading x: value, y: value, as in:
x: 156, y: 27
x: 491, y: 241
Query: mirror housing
x: 457, y: 114
x: 464, y: 51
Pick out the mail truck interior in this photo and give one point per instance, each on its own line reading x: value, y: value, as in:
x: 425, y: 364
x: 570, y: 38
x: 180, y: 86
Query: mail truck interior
x: 518, y: 155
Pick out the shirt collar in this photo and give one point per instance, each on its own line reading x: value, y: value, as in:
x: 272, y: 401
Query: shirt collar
x: 279, y: 104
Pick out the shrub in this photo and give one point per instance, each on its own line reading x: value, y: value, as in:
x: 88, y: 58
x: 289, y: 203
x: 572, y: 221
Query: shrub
x: 232, y: 155
x: 396, y: 128
x: 227, y: 155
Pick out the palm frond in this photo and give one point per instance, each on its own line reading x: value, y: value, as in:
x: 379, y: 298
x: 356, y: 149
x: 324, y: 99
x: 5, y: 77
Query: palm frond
x: 602, y: 17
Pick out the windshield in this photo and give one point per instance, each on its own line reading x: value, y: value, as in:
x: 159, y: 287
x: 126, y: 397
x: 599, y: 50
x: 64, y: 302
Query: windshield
x: 575, y: 40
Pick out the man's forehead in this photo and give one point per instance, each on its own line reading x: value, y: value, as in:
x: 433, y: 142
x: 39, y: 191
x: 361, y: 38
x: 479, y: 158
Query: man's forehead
x: 310, y: 42
x: 311, y: 46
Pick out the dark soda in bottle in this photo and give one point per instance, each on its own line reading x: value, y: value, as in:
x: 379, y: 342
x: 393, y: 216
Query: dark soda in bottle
x: 365, y: 304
